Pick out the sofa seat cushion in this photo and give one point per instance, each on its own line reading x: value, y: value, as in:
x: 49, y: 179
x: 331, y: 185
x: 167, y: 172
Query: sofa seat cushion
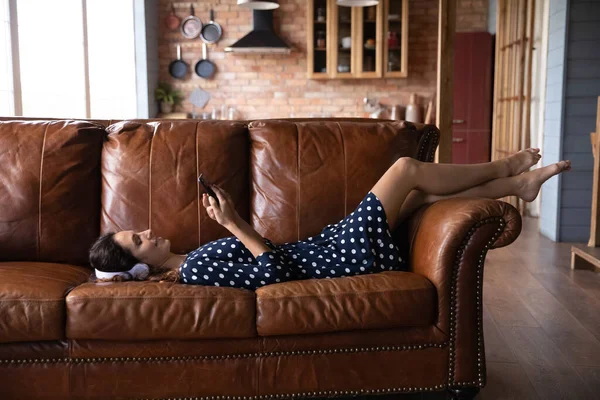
x: 159, y: 310
x: 390, y: 299
x: 32, y: 299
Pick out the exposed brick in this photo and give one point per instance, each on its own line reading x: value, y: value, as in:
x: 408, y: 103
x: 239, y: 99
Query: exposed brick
x: 472, y: 15
x: 272, y: 86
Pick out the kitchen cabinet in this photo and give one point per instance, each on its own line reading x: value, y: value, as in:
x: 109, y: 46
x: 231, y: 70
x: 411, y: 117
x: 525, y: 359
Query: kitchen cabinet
x: 473, y: 86
x: 357, y: 42
x: 318, y: 34
x: 395, y: 43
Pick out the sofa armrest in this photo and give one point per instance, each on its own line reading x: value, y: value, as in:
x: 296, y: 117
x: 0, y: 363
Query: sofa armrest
x: 448, y: 241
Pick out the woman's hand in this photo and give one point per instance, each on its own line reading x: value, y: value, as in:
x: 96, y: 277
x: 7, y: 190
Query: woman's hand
x: 225, y: 213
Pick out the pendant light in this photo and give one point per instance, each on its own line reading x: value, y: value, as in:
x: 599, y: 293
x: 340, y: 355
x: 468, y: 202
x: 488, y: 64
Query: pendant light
x: 357, y: 3
x: 259, y: 4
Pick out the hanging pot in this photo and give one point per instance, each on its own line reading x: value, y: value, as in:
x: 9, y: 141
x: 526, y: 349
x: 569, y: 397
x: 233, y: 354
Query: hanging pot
x: 178, y: 68
x: 205, y: 68
x: 172, y: 21
x: 191, y: 26
x: 212, y: 31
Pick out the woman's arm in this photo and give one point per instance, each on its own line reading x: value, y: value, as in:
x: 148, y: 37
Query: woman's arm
x: 248, y: 236
x: 226, y: 215
x: 272, y: 260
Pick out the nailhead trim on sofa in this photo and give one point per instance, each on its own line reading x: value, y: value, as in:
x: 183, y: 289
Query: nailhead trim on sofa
x: 424, y: 144
x: 328, y: 393
x: 435, y: 142
x: 274, y: 353
x: 180, y: 358
x: 480, y: 382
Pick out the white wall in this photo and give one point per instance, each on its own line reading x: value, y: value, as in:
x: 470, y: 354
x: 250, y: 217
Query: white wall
x: 553, y: 120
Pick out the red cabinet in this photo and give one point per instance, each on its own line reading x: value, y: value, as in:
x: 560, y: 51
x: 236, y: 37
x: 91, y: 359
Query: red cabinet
x: 473, y: 87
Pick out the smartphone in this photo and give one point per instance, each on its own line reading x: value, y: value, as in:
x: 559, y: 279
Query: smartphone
x: 208, y: 189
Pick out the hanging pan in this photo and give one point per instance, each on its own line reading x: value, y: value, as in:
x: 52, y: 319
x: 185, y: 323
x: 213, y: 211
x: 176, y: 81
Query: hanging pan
x: 212, y: 31
x: 172, y: 21
x: 178, y: 68
x: 191, y: 26
x: 205, y: 68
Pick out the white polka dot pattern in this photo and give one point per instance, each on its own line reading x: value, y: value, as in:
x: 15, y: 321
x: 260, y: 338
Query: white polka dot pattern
x: 340, y: 250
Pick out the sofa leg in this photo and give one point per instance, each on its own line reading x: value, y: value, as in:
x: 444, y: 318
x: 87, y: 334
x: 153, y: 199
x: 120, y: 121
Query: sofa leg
x: 463, y: 393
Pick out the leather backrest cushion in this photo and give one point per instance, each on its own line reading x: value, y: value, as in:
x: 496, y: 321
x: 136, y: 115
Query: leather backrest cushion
x: 150, y: 177
x: 308, y: 174
x: 49, y: 190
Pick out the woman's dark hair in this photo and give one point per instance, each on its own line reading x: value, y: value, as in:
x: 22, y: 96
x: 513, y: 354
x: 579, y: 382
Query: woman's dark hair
x: 108, y: 256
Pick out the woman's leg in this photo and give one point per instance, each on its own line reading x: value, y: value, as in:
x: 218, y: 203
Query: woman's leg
x: 443, y: 179
x: 526, y: 186
x: 407, y: 174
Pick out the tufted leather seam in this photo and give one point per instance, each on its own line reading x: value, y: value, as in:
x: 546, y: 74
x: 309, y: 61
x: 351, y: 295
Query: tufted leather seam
x: 39, y: 235
x: 150, y: 178
x: 198, y: 187
x: 345, y: 169
x: 479, y: 299
x: 33, y: 300
x: 157, y: 298
x: 342, y: 294
x: 297, y: 182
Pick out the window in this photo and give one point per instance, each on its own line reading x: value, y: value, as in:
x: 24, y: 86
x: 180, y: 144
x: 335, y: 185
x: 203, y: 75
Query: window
x: 6, y: 71
x: 111, y: 56
x: 76, y: 58
x: 51, y: 58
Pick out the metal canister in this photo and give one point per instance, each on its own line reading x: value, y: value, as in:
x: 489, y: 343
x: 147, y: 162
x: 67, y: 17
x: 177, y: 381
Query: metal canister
x: 395, y: 111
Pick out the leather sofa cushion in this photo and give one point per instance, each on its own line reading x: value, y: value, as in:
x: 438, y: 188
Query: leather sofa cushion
x: 159, y: 310
x: 297, y: 165
x: 50, y: 190
x: 390, y: 299
x: 150, y: 177
x: 32, y: 299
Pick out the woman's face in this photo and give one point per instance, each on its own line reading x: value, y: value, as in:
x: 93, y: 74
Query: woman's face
x: 145, y: 246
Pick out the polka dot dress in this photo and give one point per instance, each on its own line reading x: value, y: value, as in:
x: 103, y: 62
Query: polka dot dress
x: 359, y: 244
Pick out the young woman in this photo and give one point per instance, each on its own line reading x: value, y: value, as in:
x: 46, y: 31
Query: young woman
x: 361, y: 243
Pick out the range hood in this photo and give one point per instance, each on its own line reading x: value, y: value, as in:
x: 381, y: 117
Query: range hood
x: 262, y: 39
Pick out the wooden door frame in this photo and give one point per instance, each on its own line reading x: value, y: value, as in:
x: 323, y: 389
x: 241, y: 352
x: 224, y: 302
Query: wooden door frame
x: 445, y: 75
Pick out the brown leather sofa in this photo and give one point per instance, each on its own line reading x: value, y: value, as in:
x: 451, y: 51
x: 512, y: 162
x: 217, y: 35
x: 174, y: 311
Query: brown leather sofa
x: 63, y: 182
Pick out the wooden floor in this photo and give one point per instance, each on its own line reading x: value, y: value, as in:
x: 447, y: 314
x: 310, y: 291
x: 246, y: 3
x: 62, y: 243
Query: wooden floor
x: 541, y: 323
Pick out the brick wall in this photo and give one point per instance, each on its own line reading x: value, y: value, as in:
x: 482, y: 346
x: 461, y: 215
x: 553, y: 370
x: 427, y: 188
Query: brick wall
x: 270, y: 86
x: 472, y: 15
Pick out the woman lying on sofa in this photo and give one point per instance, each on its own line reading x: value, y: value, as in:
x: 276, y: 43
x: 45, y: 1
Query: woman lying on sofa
x: 361, y: 243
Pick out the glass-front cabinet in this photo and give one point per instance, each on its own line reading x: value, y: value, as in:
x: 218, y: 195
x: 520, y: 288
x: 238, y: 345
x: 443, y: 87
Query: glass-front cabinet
x: 318, y: 44
x: 357, y: 42
x: 395, y: 43
x: 343, y: 37
x: 368, y: 26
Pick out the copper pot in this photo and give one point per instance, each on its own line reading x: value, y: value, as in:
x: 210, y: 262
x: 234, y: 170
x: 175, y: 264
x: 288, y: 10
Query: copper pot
x: 172, y: 21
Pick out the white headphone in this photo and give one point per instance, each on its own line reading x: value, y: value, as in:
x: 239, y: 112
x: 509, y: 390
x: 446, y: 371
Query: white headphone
x: 140, y: 271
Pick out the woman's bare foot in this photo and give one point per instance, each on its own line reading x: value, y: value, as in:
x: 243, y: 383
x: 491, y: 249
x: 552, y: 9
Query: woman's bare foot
x: 522, y: 161
x: 529, y: 184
